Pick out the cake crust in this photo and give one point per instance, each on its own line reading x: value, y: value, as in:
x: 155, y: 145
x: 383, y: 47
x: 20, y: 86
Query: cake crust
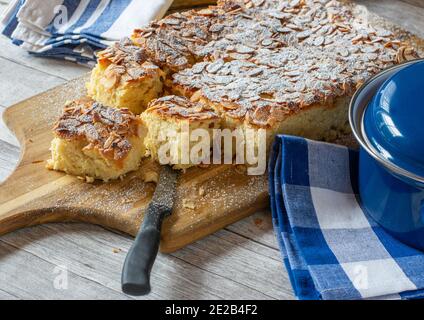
x: 125, y: 62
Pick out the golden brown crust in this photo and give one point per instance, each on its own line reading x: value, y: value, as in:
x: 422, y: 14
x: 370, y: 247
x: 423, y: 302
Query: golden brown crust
x: 173, y: 41
x: 125, y: 62
x: 105, y: 129
x: 179, y: 40
x: 175, y: 107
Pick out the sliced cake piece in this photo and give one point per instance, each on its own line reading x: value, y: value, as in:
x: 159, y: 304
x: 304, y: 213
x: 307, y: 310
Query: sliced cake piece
x: 94, y: 141
x: 173, y: 137
x: 123, y: 78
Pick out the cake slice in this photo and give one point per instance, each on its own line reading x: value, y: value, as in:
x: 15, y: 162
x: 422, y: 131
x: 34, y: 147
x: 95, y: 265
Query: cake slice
x: 176, y: 128
x: 96, y: 142
x: 124, y: 78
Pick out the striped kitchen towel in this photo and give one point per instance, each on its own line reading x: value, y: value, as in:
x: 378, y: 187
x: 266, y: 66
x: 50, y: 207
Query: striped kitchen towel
x: 75, y: 29
x: 331, y: 248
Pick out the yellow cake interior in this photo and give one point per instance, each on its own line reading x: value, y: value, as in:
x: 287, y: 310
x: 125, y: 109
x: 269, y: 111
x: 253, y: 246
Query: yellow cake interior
x: 134, y: 95
x: 173, y: 136
x: 123, y: 78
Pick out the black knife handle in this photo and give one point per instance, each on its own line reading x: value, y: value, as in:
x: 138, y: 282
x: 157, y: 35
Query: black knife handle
x: 142, y: 255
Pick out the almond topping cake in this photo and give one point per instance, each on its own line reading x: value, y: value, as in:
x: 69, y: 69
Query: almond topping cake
x: 282, y: 66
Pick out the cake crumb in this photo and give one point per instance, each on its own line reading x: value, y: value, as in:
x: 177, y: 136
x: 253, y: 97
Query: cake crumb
x: 188, y: 204
x: 258, y: 222
x: 89, y: 179
x: 116, y: 250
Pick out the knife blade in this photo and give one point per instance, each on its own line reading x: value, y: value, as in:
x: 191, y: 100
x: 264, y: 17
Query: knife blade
x: 142, y: 254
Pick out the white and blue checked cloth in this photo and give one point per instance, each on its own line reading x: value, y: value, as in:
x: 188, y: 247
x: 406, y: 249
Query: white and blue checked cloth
x: 331, y: 248
x: 75, y: 29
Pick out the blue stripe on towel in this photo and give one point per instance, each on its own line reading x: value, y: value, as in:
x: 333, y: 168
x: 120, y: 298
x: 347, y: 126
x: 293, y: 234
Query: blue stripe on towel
x: 71, y: 6
x: 330, y: 246
x: 88, y: 21
x: 108, y: 17
x: 11, y: 25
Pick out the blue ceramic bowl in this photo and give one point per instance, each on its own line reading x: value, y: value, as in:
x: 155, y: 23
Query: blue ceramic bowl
x: 387, y: 119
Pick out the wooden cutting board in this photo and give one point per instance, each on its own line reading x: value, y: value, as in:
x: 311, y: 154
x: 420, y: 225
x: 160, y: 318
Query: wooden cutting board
x: 34, y: 195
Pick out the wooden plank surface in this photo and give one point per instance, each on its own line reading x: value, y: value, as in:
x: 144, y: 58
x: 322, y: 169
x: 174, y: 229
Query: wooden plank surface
x: 239, y: 262
x: 418, y: 3
x: 61, y: 69
x: 5, y: 134
x: 404, y: 14
x: 31, y: 82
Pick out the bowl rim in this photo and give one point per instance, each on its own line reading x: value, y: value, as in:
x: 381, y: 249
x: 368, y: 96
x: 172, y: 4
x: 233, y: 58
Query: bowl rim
x: 356, y: 115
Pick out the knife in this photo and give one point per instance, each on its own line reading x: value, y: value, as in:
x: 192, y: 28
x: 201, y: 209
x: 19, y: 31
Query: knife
x: 140, y: 258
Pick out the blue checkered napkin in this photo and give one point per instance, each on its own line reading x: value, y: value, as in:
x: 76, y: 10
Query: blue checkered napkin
x: 330, y: 246
x: 75, y: 29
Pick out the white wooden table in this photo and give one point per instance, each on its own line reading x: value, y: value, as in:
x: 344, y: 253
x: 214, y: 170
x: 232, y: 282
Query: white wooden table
x: 79, y: 261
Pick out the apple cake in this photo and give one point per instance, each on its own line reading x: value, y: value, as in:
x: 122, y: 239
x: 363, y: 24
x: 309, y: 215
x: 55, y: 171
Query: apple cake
x: 96, y: 142
x: 277, y: 66
x: 124, y: 78
x: 172, y: 136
